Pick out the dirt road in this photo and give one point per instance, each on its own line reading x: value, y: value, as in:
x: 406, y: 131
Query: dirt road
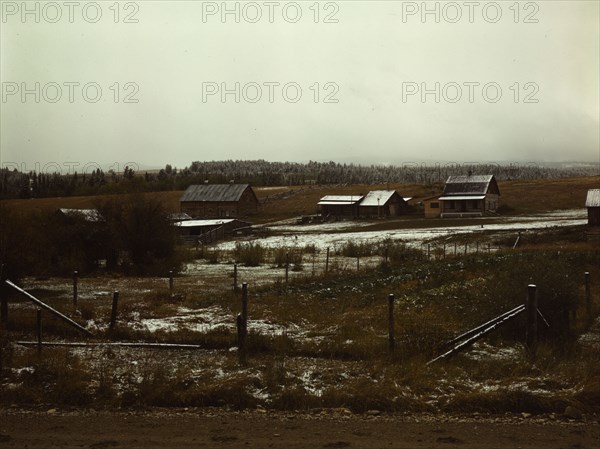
x: 205, y: 428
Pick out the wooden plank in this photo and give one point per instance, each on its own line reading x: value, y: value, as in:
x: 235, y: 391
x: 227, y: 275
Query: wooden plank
x: 111, y: 344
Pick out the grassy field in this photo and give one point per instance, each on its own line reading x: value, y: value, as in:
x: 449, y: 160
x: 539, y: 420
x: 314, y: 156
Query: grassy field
x: 519, y: 197
x: 321, y: 340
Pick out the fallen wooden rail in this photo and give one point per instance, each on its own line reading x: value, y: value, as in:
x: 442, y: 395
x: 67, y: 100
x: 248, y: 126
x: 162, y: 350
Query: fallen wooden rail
x: 476, y: 330
x: 111, y: 344
x: 481, y: 333
x: 45, y: 306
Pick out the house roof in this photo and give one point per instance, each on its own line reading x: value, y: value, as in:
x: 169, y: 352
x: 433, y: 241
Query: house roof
x: 377, y: 197
x: 593, y: 198
x: 340, y: 200
x: 214, y: 192
x: 87, y: 214
x: 468, y: 185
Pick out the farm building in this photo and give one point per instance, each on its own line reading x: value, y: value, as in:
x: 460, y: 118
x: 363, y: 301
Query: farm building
x: 219, y: 201
x: 206, y: 231
x: 469, y: 196
x: 340, y: 205
x: 592, y: 203
x: 91, y: 215
x: 382, y: 203
x: 432, y: 206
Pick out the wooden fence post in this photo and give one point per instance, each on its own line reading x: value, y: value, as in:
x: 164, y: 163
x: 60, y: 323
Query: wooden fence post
x: 243, y: 326
x: 455, y: 246
x: 3, y: 306
x: 287, y: 267
x: 38, y: 329
x: 477, y: 247
x: 235, y: 278
x: 391, y: 340
x: 171, y: 282
x: 428, y: 251
x: 588, y: 297
x: 313, y: 262
x: 444, y: 251
x: 75, y: 287
x: 241, y: 340
x: 357, y: 263
x: 113, y: 312
x: 531, y: 311
x: 489, y: 248
x: 386, y: 254
x: 327, y: 261
x: 466, y: 246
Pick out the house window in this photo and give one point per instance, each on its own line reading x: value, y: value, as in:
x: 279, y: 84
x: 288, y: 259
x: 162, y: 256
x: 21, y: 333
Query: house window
x: 435, y: 205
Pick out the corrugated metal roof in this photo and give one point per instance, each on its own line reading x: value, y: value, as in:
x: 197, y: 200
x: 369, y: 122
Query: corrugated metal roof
x: 457, y: 185
x: 340, y: 200
x: 377, y: 197
x: 200, y: 223
x: 461, y: 197
x: 593, y: 198
x: 214, y: 192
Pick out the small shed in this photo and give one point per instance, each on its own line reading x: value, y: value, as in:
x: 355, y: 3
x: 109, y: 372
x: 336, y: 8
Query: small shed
x: 469, y: 196
x: 432, y: 206
x: 89, y: 215
x: 340, y: 205
x: 382, y: 203
x: 207, y: 231
x: 592, y: 203
x: 219, y: 201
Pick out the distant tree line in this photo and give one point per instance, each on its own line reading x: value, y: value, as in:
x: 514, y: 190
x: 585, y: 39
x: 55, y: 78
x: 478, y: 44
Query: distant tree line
x: 15, y: 184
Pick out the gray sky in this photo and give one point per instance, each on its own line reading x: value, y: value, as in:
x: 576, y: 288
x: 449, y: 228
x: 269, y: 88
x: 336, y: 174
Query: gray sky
x: 524, y: 91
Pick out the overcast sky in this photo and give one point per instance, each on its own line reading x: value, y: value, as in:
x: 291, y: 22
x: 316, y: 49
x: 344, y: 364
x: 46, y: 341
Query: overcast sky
x: 362, y: 81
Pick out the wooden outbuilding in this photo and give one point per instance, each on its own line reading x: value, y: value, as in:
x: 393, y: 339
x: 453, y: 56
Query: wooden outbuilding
x: 382, y: 203
x: 469, y: 196
x: 219, y: 201
x: 592, y: 203
x: 206, y: 231
x: 432, y: 206
x: 340, y: 205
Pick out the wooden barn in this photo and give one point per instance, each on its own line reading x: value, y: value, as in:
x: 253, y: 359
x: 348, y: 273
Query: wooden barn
x: 469, y: 196
x: 219, y: 201
x: 382, y: 203
x: 592, y: 203
x: 340, y: 205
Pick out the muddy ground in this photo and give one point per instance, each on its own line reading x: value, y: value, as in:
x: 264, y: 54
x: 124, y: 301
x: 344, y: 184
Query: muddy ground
x: 180, y: 429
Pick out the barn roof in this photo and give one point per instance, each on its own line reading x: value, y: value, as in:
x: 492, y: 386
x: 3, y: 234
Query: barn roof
x: 468, y: 185
x: 371, y: 199
x: 214, y: 192
x: 593, y: 198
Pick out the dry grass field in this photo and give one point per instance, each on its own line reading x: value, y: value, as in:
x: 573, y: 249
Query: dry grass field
x: 518, y: 196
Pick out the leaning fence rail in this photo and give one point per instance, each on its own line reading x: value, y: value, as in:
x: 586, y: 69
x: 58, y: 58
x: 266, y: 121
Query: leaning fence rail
x: 45, y: 306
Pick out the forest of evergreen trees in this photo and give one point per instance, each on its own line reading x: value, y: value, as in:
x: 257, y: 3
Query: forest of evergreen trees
x: 15, y: 184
